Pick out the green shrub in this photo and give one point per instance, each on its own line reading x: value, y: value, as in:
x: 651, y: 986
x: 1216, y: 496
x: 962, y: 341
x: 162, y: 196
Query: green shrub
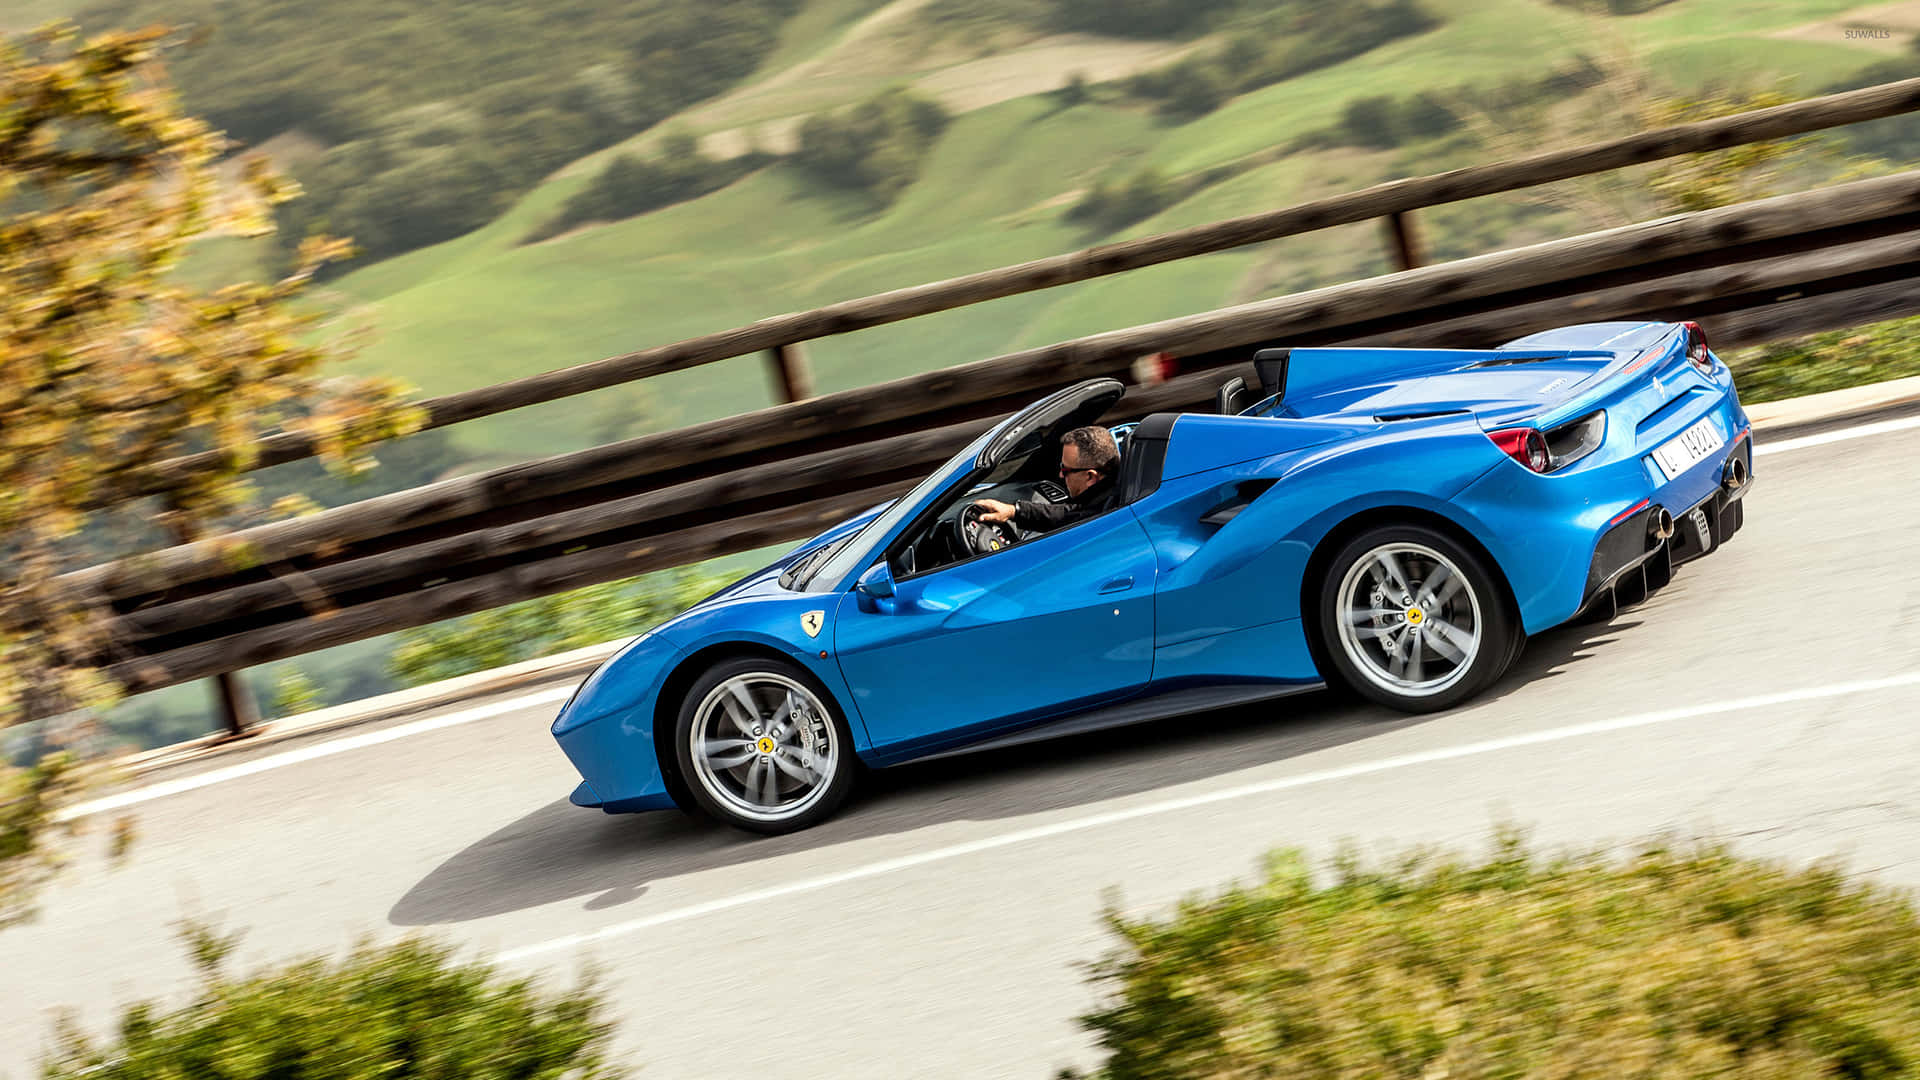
x: 1381, y: 121
x: 630, y: 185
x: 1681, y: 961
x: 399, y: 1012
x: 1830, y: 361
x: 294, y: 692
x: 551, y: 624
x: 977, y: 19
x: 875, y: 148
x: 1108, y: 208
x: 1276, y: 44
x: 1613, y: 7
x: 1140, y: 18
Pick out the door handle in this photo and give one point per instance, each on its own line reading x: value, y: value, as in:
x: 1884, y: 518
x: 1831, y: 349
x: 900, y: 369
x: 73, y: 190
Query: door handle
x: 1119, y: 584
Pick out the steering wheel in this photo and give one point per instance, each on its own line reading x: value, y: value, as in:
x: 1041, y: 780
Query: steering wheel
x: 986, y: 537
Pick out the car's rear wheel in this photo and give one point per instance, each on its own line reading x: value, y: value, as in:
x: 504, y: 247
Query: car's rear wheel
x: 762, y: 747
x: 1413, y: 619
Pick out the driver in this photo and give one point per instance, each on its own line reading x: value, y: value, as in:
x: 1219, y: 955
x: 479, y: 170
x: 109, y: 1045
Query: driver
x: 1088, y: 461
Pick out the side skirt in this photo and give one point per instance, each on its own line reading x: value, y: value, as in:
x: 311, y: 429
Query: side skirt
x: 1140, y: 710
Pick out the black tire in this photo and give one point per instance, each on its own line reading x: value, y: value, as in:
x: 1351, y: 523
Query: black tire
x: 733, y: 792
x: 1396, y: 640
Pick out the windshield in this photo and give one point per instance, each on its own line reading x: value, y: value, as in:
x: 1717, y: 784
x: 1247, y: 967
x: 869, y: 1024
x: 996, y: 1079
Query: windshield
x: 856, y: 551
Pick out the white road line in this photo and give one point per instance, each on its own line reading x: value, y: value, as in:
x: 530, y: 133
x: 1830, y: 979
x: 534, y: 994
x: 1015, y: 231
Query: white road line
x: 1167, y: 806
x: 125, y: 799
x: 1862, y: 431
x: 295, y: 757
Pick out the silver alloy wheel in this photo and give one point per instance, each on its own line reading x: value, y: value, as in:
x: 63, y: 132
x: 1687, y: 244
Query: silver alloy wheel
x: 763, y: 746
x: 1409, y: 619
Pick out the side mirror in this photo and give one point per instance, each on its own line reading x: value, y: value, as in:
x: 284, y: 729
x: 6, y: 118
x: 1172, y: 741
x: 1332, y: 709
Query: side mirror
x: 877, y: 582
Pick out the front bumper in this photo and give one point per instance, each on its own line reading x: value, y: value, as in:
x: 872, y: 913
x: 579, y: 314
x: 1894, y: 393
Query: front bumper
x: 606, y: 730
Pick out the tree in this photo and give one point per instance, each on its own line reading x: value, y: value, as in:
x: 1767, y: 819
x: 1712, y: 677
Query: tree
x: 109, y: 366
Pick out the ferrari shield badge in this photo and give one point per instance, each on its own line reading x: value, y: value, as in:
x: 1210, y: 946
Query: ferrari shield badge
x: 810, y: 622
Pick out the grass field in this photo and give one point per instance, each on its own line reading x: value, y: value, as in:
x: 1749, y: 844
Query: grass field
x: 481, y: 308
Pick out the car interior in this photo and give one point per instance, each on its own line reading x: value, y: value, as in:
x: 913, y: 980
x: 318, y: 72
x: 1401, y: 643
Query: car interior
x: 1027, y: 469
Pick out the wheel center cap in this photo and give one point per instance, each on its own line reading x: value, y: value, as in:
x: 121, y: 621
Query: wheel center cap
x: 1415, y: 616
x: 764, y: 744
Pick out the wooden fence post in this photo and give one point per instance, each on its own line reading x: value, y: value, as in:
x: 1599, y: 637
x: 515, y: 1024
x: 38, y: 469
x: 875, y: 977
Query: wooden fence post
x: 1402, y: 245
x: 239, y: 713
x: 787, y: 364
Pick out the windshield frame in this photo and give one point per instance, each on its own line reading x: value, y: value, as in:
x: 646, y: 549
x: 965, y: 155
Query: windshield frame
x: 854, y: 556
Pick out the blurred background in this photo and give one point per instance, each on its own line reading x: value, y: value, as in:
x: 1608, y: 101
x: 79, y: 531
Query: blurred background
x: 534, y: 185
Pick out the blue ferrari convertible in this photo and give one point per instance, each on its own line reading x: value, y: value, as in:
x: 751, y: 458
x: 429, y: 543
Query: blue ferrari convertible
x: 1394, y: 521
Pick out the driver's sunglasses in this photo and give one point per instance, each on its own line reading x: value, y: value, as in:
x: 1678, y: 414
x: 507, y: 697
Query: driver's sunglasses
x: 1066, y: 472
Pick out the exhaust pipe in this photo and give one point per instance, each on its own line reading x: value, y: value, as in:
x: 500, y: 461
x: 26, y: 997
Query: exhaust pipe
x: 1734, y: 477
x: 1660, y: 525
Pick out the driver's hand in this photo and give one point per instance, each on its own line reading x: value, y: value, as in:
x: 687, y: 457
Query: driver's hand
x: 996, y: 510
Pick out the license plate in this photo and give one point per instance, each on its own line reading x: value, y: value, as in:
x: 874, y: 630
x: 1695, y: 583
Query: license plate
x: 1686, y: 449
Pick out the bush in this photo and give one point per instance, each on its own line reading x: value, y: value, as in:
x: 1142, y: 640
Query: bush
x: 876, y: 147
x: 1679, y: 961
x: 630, y: 186
x: 975, y: 20
x: 1140, y: 18
x: 1277, y: 44
x: 1613, y: 7
x: 1108, y: 208
x: 548, y: 625
x: 294, y: 693
x: 1383, y: 122
x: 397, y: 1012
x: 1829, y: 361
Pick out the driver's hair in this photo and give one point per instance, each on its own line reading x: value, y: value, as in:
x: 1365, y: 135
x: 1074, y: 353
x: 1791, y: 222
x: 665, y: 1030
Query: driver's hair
x: 1096, y: 446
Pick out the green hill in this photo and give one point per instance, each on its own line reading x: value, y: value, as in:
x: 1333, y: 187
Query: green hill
x: 997, y: 189
x: 999, y: 186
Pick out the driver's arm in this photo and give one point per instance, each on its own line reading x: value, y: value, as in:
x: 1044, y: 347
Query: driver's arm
x: 1039, y: 514
x: 1027, y: 513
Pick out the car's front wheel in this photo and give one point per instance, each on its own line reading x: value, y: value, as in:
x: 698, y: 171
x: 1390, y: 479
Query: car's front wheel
x: 761, y: 746
x: 1414, y: 620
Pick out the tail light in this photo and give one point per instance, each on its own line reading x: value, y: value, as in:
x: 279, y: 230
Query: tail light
x: 1697, y: 346
x: 1546, y: 451
x: 1576, y: 439
x: 1525, y: 445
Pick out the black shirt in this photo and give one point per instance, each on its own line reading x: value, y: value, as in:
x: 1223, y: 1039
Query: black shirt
x: 1043, y: 515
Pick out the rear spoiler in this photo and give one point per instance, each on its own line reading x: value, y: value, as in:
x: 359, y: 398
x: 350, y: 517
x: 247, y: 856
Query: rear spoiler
x: 1681, y: 339
x: 1309, y: 373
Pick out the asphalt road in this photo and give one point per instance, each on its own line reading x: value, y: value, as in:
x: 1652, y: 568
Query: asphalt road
x: 942, y: 924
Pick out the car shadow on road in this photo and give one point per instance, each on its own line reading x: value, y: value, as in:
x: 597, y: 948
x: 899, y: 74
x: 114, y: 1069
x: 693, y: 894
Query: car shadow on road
x: 561, y: 852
